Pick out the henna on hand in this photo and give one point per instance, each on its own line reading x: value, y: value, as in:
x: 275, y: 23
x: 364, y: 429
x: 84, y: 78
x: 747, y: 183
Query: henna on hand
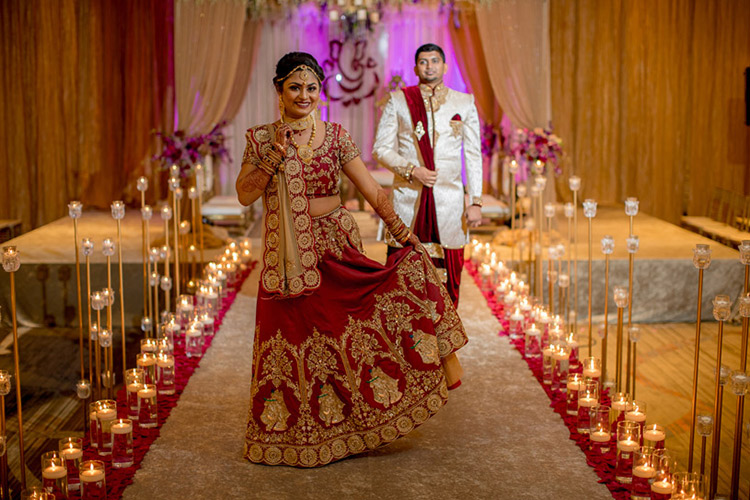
x: 255, y: 180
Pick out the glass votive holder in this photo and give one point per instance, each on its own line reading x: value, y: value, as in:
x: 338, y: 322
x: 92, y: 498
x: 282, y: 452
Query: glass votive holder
x: 654, y: 435
x: 134, y: 381
x: 148, y: 345
x: 572, y: 387
x: 122, y: 443
x: 665, y: 465
x: 637, y: 413
x: 689, y: 485
x: 588, y: 398
x: 164, y: 346
x: 599, y: 430
x: 146, y: 361
x: 93, y: 425
x: 148, y: 415
x: 628, y: 441
x: 643, y: 473
x: 704, y: 424
x: 54, y: 475
x: 4, y: 382
x: 93, y: 481
x: 71, y: 451
x: 209, y: 328
x: 740, y: 383
x: 165, y: 374
x: 532, y: 342
x: 185, y: 308
x: 548, y: 364
x: 194, y: 340
x: 560, y: 357
x: 620, y: 402
x: 106, y: 413
x: 83, y: 389
x: 572, y: 341
x: 35, y: 493
x: 515, y: 324
x: 592, y: 369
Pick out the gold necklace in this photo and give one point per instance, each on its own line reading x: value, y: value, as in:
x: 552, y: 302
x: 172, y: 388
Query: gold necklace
x: 305, y: 152
x: 300, y: 124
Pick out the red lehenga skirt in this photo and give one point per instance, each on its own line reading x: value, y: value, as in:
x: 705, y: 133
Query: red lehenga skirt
x: 355, y: 364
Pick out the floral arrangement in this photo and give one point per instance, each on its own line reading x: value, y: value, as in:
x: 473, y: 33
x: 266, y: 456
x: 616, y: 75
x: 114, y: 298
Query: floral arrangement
x: 528, y: 146
x: 186, y: 151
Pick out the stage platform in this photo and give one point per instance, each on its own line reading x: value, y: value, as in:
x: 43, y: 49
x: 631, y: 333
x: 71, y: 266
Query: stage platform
x: 46, y: 283
x: 666, y: 282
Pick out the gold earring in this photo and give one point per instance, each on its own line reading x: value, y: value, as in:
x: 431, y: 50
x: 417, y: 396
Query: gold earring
x: 281, y: 107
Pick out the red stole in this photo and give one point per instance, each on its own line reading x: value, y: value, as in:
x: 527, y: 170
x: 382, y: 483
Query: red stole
x: 425, y: 222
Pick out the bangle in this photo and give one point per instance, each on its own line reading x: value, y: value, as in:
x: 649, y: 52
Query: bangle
x: 476, y: 200
x: 409, y: 172
x: 268, y: 169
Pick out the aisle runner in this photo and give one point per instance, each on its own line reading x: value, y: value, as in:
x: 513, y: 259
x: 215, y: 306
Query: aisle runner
x: 118, y: 479
x: 604, y: 465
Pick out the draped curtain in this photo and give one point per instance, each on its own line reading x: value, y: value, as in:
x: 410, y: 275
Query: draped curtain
x: 515, y: 35
x: 208, y: 40
x: 73, y: 127
x: 648, y: 99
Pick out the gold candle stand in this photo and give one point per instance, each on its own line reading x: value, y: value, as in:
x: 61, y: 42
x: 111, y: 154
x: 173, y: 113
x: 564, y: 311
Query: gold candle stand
x: 88, y: 249
x: 108, y: 355
x: 176, y: 196
x: 744, y: 309
x: 512, y: 169
x: 608, y: 247
x: 74, y: 211
x: 166, y: 214
x: 549, y: 213
x: 722, y: 312
x: 589, y: 210
x: 4, y: 460
x: 11, y: 263
x: 569, y: 209
x: 621, y: 301
x: 701, y: 260
x: 142, y: 186
x: 146, y: 214
x: 199, y: 185
x: 574, y: 183
x: 118, y: 212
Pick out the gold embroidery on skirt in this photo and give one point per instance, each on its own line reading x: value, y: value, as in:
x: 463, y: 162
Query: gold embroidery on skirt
x: 384, y: 388
x: 427, y: 347
x: 331, y: 407
x: 275, y: 414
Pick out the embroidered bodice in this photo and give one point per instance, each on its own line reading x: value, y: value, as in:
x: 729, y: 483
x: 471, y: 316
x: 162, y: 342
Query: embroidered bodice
x: 323, y: 173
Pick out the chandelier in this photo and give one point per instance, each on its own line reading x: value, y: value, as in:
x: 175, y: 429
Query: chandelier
x: 354, y: 18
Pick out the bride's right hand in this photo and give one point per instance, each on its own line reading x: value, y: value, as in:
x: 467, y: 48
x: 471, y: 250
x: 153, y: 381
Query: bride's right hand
x: 283, y: 136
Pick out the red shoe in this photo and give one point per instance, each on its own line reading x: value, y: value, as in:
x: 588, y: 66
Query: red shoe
x: 456, y: 385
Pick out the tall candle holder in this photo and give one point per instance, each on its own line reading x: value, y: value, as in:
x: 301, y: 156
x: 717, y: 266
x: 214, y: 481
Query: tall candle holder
x: 574, y: 183
x: 740, y: 385
x: 632, y: 244
x: 608, y: 247
x: 199, y: 184
x: 569, y: 210
x: 512, y: 169
x: 621, y: 301
x: 562, y: 281
x: 142, y: 186
x: 549, y: 214
x: 744, y: 310
x: 534, y: 244
x: 634, y: 335
x: 589, y: 211
x: 184, y: 235
x: 166, y: 215
x: 11, y: 264
x: 540, y: 182
x: 701, y: 260
x: 705, y: 428
x: 87, y: 248
x: 520, y: 196
x: 118, y: 213
x: 722, y: 311
x: 74, y: 212
x: 4, y: 391
x: 146, y: 214
x: 176, y: 198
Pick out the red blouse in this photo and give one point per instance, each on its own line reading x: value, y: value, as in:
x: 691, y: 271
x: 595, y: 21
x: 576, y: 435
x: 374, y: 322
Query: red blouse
x: 323, y: 173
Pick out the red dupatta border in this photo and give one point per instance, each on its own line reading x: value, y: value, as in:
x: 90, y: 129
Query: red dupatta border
x: 603, y: 464
x: 425, y: 222
x: 118, y: 479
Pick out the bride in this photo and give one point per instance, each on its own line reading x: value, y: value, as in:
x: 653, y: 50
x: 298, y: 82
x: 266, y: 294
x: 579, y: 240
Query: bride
x: 348, y: 354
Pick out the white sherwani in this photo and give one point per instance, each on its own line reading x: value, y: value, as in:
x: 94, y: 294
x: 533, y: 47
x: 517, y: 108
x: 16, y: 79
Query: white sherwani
x: 396, y: 147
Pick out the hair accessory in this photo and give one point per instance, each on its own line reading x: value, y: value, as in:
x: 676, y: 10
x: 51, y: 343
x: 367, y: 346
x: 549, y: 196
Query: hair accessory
x: 304, y: 75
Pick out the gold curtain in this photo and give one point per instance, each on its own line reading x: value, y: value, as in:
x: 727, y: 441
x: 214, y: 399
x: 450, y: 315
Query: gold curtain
x: 78, y: 93
x: 471, y: 61
x: 245, y: 64
x: 648, y: 98
x: 208, y: 39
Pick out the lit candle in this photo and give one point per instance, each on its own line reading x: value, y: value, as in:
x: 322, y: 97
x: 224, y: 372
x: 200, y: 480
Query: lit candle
x: 71, y: 452
x: 645, y: 471
x: 54, y: 472
x: 663, y: 487
x: 106, y: 414
x: 574, y: 384
x: 627, y: 445
x: 145, y: 359
x: 635, y: 416
x: 591, y: 372
x: 164, y: 361
x: 654, y: 435
x: 122, y: 426
x: 147, y: 392
x: 134, y: 387
x: 600, y: 436
x: 620, y: 405
x: 91, y: 475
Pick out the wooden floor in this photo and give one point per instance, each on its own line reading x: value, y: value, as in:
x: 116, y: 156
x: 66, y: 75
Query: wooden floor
x: 665, y: 360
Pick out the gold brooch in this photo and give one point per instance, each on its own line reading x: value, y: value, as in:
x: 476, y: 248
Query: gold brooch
x: 419, y: 131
